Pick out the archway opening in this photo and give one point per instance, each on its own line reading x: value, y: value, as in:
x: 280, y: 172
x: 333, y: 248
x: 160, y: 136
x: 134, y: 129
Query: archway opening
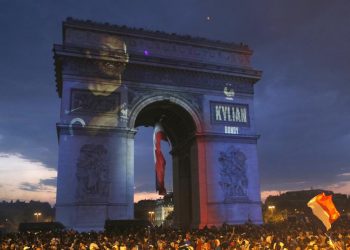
x: 180, y: 155
x: 145, y: 194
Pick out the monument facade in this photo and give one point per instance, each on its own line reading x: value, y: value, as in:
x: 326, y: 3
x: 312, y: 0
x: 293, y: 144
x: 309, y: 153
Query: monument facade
x: 112, y: 79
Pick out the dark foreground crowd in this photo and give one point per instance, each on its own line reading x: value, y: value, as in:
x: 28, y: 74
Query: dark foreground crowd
x: 287, y: 235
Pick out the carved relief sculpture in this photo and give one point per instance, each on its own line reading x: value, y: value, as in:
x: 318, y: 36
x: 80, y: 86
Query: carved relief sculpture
x: 92, y: 173
x: 233, y: 176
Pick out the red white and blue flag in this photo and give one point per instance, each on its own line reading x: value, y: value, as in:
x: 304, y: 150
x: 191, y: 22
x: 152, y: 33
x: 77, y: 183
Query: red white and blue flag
x: 159, y: 160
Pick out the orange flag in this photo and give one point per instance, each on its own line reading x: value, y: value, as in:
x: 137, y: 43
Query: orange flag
x: 323, y: 208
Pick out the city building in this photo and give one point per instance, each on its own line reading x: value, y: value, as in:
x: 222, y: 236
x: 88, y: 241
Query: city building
x: 163, y: 210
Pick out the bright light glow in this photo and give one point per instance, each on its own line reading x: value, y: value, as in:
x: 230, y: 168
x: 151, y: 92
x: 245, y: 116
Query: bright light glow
x: 151, y: 215
x: 21, y: 179
x: 37, y: 214
x: 271, y: 207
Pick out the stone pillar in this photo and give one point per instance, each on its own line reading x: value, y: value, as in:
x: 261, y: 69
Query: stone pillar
x: 232, y: 177
x: 95, y: 177
x: 121, y: 198
x: 182, y: 188
x: 199, y: 187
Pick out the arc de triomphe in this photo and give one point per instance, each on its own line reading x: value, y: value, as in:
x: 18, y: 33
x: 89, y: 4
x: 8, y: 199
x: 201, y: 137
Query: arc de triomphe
x: 112, y: 79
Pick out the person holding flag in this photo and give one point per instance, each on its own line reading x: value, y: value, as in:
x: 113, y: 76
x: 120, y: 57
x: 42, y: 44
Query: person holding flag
x: 159, y: 160
x: 323, y: 208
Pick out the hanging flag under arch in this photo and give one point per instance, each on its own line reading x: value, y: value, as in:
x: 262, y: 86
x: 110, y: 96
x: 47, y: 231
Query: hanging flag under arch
x: 159, y: 160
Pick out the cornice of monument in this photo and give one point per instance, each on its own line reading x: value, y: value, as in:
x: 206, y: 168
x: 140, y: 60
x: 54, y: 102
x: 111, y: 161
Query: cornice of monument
x: 108, y: 64
x: 159, y: 35
x: 82, y: 54
x: 196, y: 66
x: 68, y: 129
x: 242, y: 138
x: 118, y: 56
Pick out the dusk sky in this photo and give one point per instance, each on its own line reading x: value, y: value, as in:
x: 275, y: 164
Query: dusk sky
x: 302, y: 102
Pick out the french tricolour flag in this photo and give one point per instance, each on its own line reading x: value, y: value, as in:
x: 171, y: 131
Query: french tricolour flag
x: 158, y: 136
x: 323, y: 208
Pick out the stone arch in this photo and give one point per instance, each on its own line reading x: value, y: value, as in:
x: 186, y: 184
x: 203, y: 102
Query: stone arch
x: 181, y: 123
x: 183, y: 103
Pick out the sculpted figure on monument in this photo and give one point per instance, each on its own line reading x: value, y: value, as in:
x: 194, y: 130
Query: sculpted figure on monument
x: 92, y: 172
x: 233, y: 177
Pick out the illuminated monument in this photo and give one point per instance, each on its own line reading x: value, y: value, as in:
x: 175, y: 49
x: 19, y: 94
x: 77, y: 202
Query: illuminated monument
x: 113, y: 79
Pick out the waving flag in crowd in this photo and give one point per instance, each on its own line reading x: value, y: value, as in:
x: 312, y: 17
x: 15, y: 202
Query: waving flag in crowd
x: 159, y: 160
x: 323, y: 208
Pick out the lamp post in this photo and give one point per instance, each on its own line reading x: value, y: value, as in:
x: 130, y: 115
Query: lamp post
x: 271, y: 208
x: 151, y: 216
x: 37, y: 214
x: 270, y: 213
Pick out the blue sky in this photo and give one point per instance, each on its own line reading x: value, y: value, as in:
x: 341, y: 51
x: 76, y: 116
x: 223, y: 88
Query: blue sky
x: 301, y: 104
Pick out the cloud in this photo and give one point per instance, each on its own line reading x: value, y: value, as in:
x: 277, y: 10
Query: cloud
x: 25, y: 179
x: 342, y: 187
x: 344, y: 174
x: 26, y: 186
x: 4, y: 155
x: 49, y: 182
x: 44, y: 185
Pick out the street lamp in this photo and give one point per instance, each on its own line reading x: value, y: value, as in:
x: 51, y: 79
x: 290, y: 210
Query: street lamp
x: 151, y: 214
x: 37, y: 214
x: 271, y: 208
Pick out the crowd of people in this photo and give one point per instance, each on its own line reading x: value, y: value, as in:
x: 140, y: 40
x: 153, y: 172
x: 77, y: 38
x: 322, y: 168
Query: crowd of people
x: 285, y: 235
